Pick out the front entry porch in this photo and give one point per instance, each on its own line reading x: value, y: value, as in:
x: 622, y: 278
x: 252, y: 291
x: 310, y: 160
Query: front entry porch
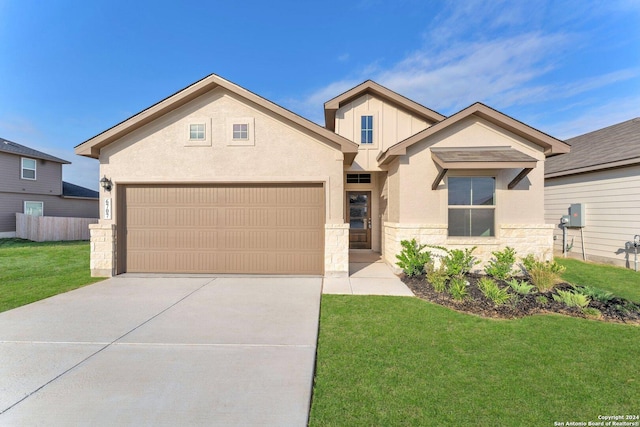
x: 368, y: 275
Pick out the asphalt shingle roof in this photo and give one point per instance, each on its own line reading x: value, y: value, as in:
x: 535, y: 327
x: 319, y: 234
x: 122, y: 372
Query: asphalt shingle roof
x: 7, y: 146
x: 72, y: 190
x: 599, y: 149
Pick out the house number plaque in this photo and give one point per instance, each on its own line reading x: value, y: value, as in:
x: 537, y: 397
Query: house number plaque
x: 107, y: 208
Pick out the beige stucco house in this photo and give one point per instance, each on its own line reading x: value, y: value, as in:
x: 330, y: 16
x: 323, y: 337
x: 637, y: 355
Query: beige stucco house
x: 217, y: 179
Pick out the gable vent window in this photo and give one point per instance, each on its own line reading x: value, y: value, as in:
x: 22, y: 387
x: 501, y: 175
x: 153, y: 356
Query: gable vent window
x: 28, y: 169
x: 197, y: 132
x: 366, y: 126
x: 358, y: 178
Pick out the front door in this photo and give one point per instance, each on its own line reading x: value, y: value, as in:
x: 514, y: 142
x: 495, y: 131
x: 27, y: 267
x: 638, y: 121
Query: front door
x: 359, y: 217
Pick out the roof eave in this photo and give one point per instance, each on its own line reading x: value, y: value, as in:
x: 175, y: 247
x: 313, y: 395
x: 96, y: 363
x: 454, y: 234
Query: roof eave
x: 594, y: 168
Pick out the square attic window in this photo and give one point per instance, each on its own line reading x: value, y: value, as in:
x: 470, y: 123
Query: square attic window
x: 197, y: 132
x: 240, y: 131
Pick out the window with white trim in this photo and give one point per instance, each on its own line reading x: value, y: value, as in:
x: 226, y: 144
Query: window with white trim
x: 366, y: 130
x: 240, y: 131
x: 28, y: 169
x: 197, y: 132
x: 34, y: 208
x: 472, y: 206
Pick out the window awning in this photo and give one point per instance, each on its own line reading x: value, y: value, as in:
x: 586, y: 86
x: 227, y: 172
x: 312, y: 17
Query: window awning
x: 482, y: 158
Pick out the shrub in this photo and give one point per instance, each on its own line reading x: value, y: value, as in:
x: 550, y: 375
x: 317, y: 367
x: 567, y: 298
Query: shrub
x: 571, y: 299
x: 501, y: 267
x: 595, y: 293
x: 458, y: 262
x: 458, y: 288
x: 543, y: 274
x: 520, y: 286
x: 413, y: 257
x: 542, y: 300
x: 492, y: 291
x: 437, y: 277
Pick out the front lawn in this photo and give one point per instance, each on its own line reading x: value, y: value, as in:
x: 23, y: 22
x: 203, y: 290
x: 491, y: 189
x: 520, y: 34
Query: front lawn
x: 404, y: 361
x: 32, y: 271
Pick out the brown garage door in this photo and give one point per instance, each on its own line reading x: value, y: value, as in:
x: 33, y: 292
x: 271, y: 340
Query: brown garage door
x: 255, y: 229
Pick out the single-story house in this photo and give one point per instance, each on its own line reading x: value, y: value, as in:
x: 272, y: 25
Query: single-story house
x: 216, y: 179
x: 602, y: 172
x: 31, y: 183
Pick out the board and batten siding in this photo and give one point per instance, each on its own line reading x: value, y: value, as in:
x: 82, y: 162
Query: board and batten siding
x: 612, y: 211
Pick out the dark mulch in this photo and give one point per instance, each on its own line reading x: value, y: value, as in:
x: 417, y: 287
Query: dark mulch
x: 616, y: 310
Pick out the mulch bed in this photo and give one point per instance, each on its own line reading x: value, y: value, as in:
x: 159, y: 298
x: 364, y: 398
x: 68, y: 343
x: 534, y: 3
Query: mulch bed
x: 521, y: 305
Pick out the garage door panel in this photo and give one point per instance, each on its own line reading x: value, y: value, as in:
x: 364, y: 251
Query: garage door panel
x: 271, y: 229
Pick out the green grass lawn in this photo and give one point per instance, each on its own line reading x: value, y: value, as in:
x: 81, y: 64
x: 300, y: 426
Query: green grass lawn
x: 32, y: 271
x: 388, y: 361
x: 623, y: 282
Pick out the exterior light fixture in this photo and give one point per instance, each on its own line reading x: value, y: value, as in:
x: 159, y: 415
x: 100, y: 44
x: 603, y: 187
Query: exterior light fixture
x: 106, y: 183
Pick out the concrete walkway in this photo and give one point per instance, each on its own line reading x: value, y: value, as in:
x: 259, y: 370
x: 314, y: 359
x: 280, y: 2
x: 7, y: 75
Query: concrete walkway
x: 163, y: 351
x: 368, y: 275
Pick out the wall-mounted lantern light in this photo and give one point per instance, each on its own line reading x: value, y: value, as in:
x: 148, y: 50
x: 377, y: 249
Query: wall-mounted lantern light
x: 106, y: 183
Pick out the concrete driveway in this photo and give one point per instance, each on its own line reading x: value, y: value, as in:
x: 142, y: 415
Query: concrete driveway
x: 163, y: 351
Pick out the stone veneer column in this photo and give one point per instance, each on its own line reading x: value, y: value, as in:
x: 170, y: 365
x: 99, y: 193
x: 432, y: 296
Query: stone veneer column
x: 336, y: 250
x: 103, y: 250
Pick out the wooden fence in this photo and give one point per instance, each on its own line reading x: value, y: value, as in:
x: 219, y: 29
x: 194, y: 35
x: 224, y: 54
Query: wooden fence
x: 52, y: 228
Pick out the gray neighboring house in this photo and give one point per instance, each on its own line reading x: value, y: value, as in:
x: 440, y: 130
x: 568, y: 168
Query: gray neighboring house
x: 603, y: 172
x: 31, y: 183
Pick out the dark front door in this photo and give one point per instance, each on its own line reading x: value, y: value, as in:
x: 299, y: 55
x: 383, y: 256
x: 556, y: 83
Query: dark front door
x: 359, y: 217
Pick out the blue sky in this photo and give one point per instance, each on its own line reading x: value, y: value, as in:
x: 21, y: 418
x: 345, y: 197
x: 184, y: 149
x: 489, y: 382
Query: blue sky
x: 71, y: 69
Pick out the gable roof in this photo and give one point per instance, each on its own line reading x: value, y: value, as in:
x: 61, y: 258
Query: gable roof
x: 550, y: 144
x: 371, y: 87
x: 11, y: 147
x: 616, y: 145
x: 92, y: 146
x: 76, y: 191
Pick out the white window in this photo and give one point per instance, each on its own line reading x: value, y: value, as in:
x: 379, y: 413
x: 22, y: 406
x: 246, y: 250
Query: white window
x: 472, y: 206
x: 240, y: 131
x: 366, y: 130
x: 33, y: 208
x: 28, y: 169
x: 197, y: 132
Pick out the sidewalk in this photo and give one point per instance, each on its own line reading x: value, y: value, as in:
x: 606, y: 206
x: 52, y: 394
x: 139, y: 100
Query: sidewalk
x: 368, y: 275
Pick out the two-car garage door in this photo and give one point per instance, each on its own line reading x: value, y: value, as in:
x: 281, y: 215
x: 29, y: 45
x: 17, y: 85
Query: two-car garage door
x: 245, y: 229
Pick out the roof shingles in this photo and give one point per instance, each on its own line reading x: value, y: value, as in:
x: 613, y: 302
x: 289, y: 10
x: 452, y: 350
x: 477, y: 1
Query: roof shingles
x: 11, y: 147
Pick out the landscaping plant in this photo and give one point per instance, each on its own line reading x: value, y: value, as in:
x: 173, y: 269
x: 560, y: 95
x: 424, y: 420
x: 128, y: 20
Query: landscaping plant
x: 458, y: 262
x: 595, y: 293
x: 522, y: 287
x: 458, y: 288
x: 501, y: 266
x: 492, y: 291
x: 543, y: 274
x: 413, y: 257
x: 571, y: 299
x: 437, y: 277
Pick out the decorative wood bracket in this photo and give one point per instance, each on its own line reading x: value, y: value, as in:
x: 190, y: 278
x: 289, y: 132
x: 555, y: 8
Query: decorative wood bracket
x: 439, y: 178
x: 519, y: 178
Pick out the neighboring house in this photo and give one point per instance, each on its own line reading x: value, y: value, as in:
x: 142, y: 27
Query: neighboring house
x: 603, y: 173
x: 31, y: 183
x: 217, y: 179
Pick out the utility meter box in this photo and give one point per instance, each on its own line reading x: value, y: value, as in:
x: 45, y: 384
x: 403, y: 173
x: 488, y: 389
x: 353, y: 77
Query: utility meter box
x: 576, y: 215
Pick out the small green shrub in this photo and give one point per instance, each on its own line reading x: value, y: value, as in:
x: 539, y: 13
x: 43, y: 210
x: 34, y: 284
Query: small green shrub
x: 543, y: 274
x: 595, y: 293
x: 458, y: 288
x: 592, y: 313
x: 522, y: 287
x: 413, y: 257
x: 492, y: 291
x: 571, y: 299
x: 458, y: 262
x: 501, y: 267
x: 437, y: 277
